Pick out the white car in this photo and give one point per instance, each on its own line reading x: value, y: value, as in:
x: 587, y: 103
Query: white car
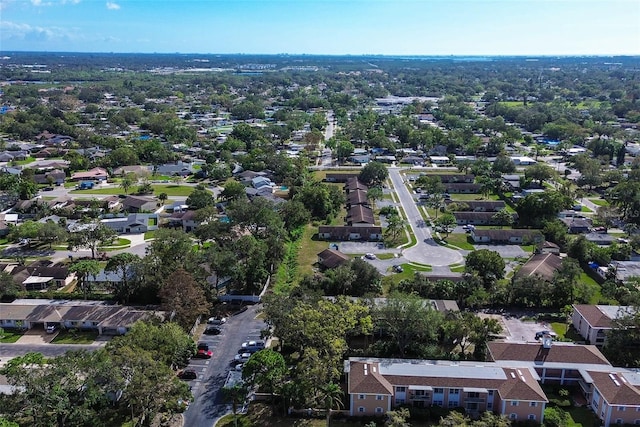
x: 253, y: 344
x: 217, y: 320
x: 242, y: 358
x: 370, y: 256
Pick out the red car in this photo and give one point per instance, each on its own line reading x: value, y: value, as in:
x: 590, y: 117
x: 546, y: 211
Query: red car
x: 204, y: 354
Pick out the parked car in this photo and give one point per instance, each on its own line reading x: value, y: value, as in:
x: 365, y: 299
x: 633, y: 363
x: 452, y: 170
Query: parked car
x: 212, y: 330
x: 398, y: 268
x: 370, y: 256
x: 203, y: 354
x: 242, y: 358
x: 51, y: 329
x: 541, y: 334
x: 217, y: 320
x: 203, y: 346
x: 187, y: 374
x: 253, y: 344
x: 239, y: 367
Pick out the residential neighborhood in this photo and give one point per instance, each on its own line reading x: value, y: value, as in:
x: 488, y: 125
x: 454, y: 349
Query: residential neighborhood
x: 344, y: 243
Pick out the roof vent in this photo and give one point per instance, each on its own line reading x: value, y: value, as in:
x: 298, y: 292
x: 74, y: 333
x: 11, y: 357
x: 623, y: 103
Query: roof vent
x: 513, y: 375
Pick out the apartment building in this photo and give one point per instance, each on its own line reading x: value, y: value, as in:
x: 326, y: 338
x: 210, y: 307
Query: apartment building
x: 376, y: 386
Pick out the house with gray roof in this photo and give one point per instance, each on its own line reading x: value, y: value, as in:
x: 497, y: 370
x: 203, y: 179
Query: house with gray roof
x: 133, y: 223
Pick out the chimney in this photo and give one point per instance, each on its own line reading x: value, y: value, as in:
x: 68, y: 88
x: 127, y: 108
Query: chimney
x: 546, y: 341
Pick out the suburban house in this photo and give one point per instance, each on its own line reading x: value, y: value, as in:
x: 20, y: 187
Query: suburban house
x: 549, y: 248
x: 138, y: 204
x: 339, y: 177
x: 138, y: 170
x: 360, y: 214
x: 612, y: 393
x: 512, y: 182
x: 175, y: 169
x: 508, y: 236
x: 600, y: 239
x: 360, y: 159
x: 523, y: 160
x: 55, y: 176
x: 455, y: 178
x: 332, y: 258
x: 88, y: 315
x: 593, y: 321
x: 186, y: 220
x: 133, y: 223
x: 260, y: 182
x: 343, y: 233
x: 478, y: 218
x: 376, y: 386
x: 439, y: 160
x: 95, y: 174
x: 479, y: 205
x: 41, y: 275
x: 577, y: 225
x: 541, y: 265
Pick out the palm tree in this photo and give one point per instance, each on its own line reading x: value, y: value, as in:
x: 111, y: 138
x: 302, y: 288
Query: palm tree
x: 331, y: 397
x: 163, y: 197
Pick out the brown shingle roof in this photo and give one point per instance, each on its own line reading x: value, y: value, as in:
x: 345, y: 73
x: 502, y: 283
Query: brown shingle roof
x: 593, y: 315
x: 520, y: 385
x: 558, y: 353
x: 365, y: 378
x: 615, y: 388
x: 358, y: 197
x: 360, y: 214
x: 331, y: 258
x: 543, y: 265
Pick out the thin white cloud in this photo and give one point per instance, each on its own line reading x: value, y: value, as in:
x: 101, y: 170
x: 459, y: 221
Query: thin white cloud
x: 112, y: 6
x: 19, y: 31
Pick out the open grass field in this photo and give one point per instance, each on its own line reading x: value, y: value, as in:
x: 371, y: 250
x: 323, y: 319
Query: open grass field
x: 170, y: 189
x: 593, y: 286
x: 462, y: 197
x: 23, y: 162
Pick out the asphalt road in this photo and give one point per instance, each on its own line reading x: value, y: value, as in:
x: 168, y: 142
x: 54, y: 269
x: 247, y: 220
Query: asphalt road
x: 426, y: 251
x: 8, y: 351
x: 209, y: 403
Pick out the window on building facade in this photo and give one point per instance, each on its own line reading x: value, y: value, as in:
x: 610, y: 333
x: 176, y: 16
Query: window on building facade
x: 438, y: 390
x: 454, y: 391
x: 490, y: 393
x: 473, y: 395
x: 361, y: 409
x: 379, y: 397
x: 619, y: 421
x: 379, y: 410
x: 531, y: 417
x: 437, y: 403
x: 621, y: 408
x: 401, y: 389
x: 514, y: 403
x: 418, y: 393
x: 489, y: 406
x: 361, y: 397
x: 513, y: 416
x: 533, y: 404
x: 453, y: 403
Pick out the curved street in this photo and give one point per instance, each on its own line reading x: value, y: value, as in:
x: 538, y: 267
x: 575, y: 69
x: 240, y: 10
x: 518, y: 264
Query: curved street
x: 426, y: 250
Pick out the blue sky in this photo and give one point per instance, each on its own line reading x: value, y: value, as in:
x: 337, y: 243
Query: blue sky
x: 391, y: 27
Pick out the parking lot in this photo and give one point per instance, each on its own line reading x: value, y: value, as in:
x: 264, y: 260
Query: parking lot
x: 518, y: 330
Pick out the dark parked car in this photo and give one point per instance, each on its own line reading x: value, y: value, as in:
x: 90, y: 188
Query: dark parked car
x: 211, y: 330
x: 188, y: 374
x: 203, y: 346
x: 398, y: 268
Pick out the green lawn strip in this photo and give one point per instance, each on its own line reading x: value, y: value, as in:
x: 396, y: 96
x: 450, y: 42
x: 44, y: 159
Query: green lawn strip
x: 593, y: 287
x: 582, y: 417
x: 75, y: 337
x: 287, y: 274
x: 10, y: 336
x: 599, y: 202
x: 23, y: 162
x: 309, y: 250
x: 585, y: 209
x: 455, y: 197
x: 528, y: 248
x: 456, y: 268
x: 386, y: 256
x: 150, y: 235
x: 460, y: 241
x: 169, y: 189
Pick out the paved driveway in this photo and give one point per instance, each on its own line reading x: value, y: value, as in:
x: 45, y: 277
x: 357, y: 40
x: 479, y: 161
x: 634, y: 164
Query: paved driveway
x: 505, y: 251
x: 518, y: 330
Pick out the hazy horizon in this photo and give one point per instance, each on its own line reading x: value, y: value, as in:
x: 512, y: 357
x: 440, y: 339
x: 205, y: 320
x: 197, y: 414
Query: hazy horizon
x: 325, y: 27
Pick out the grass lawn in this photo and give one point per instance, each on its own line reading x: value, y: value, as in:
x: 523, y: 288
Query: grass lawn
x: 169, y: 189
x: 585, y: 209
x: 560, y: 328
x: 75, y: 337
x: 152, y: 222
x: 9, y: 337
x: 409, y: 271
x: 512, y: 103
x: 460, y: 240
x: 23, y: 162
x: 599, y: 202
x: 528, y: 248
x: 456, y: 268
x: 308, y: 251
x: 150, y: 235
x: 462, y: 197
x: 591, y: 284
x: 582, y: 417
